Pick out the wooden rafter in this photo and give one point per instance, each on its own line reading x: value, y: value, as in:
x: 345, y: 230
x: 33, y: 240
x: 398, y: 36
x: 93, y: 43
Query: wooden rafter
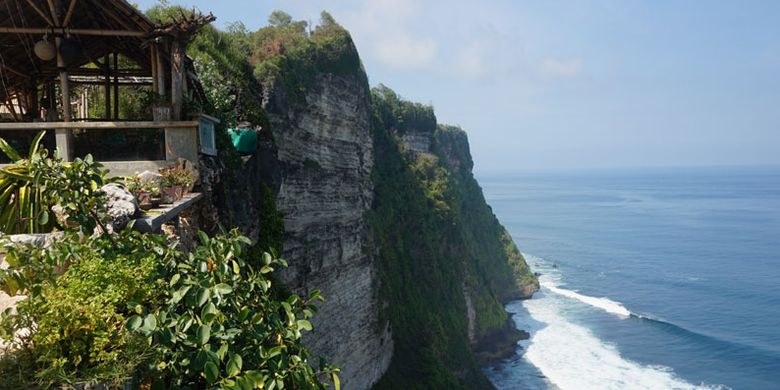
x: 117, y: 19
x: 69, y: 14
x: 73, y: 31
x: 53, y: 11
x: 14, y: 71
x: 40, y: 12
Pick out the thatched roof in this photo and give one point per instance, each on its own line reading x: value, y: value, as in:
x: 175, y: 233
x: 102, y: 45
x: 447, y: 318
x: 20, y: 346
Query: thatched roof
x: 18, y: 63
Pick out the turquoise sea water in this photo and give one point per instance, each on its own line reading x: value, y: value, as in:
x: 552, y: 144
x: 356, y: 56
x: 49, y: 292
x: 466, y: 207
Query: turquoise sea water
x: 654, y: 279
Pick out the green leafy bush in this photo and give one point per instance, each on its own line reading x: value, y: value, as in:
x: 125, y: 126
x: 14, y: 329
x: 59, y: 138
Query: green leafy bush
x: 394, y: 113
x: 76, y: 188
x: 220, y: 325
x: 109, y: 308
x: 33, y: 185
x: 134, y: 306
x: 76, y: 318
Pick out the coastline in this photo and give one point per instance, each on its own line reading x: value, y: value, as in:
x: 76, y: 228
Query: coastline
x: 502, y: 343
x: 498, y: 345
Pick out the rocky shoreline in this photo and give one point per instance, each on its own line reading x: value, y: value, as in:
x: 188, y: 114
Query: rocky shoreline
x: 499, y: 344
x: 502, y: 343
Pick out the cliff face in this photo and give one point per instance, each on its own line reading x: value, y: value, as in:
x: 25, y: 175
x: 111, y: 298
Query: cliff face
x: 445, y: 263
x: 325, y: 158
x: 379, y: 210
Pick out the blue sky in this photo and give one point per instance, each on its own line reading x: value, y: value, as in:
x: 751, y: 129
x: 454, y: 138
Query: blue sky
x: 572, y: 84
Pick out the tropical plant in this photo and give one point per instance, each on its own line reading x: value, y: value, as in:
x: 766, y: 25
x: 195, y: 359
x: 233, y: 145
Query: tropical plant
x: 104, y: 308
x: 32, y: 186
x: 137, y: 186
x: 176, y: 176
x: 22, y: 202
x: 222, y: 326
x: 80, y: 291
x: 76, y: 189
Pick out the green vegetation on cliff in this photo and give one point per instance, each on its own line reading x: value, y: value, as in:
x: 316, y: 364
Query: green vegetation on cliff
x: 442, y: 252
x: 446, y: 265
x: 285, y: 54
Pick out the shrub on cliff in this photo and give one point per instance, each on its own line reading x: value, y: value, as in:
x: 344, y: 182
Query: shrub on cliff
x: 220, y: 324
x: 394, y: 113
x: 106, y: 308
x: 72, y: 324
x: 288, y: 56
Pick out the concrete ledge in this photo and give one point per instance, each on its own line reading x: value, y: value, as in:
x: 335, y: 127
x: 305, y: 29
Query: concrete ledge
x: 132, y: 168
x: 153, y: 220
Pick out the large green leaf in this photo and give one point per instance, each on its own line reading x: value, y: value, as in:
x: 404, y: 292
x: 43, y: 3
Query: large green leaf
x: 208, y: 313
x: 303, y: 324
x: 211, y: 371
x: 203, y: 334
x: 223, y: 289
x: 203, y: 296
x: 134, y: 323
x: 149, y: 324
x: 9, y: 151
x: 234, y: 365
x: 34, y: 145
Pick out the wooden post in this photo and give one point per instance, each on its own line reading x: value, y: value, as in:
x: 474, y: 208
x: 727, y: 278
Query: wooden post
x: 160, y: 71
x: 107, y: 86
x: 34, y: 110
x: 177, y: 78
x: 63, y: 136
x: 116, y: 86
x: 153, y: 56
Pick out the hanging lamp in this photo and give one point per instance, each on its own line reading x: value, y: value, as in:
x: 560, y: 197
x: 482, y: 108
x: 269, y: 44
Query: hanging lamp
x: 44, y: 49
x: 70, y: 49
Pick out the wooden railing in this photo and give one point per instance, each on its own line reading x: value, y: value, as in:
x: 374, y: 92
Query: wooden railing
x: 182, y: 140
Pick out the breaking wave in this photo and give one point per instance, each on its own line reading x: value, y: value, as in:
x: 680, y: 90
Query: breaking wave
x: 570, y: 356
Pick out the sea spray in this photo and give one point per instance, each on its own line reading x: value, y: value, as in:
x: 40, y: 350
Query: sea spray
x: 605, y: 304
x: 568, y: 354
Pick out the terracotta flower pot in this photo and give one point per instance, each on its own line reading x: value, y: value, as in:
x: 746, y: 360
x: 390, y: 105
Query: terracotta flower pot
x: 144, y: 200
x: 172, y: 193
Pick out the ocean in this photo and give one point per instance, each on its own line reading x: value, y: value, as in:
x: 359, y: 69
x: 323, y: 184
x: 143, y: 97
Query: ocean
x: 650, y: 279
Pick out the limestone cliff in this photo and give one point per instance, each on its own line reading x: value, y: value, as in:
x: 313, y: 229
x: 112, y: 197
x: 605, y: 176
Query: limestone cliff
x: 446, y: 263
x: 326, y: 157
x: 380, y: 212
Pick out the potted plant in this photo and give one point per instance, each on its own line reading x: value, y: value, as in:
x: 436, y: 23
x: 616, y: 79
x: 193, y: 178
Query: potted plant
x: 159, y: 105
x: 175, y: 183
x: 144, y: 191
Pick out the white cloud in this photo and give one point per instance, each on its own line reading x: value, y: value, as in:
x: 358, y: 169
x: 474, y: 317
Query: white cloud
x: 561, y: 68
x: 385, y: 30
x: 401, y: 51
x: 470, y: 61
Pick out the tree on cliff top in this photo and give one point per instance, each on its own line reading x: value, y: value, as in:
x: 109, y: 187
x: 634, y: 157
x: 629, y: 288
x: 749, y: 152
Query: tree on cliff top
x: 279, y: 18
x: 402, y: 115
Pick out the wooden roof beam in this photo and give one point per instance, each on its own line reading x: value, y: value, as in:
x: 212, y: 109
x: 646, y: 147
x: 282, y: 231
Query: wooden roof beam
x: 14, y: 71
x: 74, y: 31
x: 40, y: 12
x: 69, y: 14
x: 54, y: 15
x: 122, y: 22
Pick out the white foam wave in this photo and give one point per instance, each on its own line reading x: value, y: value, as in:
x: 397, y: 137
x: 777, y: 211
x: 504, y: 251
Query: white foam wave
x: 571, y: 357
x: 603, y: 303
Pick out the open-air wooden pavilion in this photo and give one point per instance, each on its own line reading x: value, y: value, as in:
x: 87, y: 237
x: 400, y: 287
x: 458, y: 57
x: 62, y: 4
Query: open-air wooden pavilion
x: 65, y: 65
